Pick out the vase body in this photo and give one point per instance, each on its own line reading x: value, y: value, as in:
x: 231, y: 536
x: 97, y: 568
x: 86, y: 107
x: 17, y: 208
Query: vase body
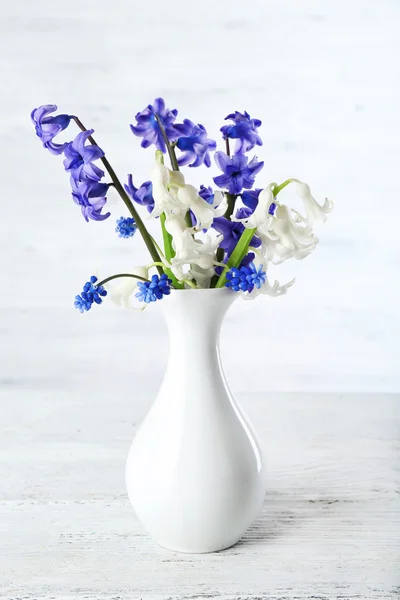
x: 195, y: 473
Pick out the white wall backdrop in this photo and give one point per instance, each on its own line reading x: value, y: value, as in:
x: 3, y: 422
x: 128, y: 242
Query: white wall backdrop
x: 323, y: 77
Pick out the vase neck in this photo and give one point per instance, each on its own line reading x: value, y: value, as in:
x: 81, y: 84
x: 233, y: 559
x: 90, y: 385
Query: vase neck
x: 194, y: 319
x: 193, y: 316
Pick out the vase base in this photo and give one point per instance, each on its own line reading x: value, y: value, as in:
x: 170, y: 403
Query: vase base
x: 208, y: 550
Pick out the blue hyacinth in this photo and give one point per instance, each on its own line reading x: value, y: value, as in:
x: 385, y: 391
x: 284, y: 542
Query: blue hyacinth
x: 142, y: 195
x: 150, y: 291
x: 243, y: 130
x: 245, y: 279
x: 237, y: 172
x: 126, y: 227
x: 48, y: 127
x: 148, y: 128
x: 194, y: 144
x: 89, y: 295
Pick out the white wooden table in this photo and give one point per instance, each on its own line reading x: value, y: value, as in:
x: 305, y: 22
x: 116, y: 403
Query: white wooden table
x: 330, y: 527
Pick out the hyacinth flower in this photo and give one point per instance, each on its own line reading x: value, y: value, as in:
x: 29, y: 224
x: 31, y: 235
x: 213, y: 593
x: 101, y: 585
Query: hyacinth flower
x: 48, y: 127
x: 232, y: 232
x: 87, y: 189
x: 90, y: 195
x: 142, y: 195
x: 79, y: 158
x: 207, y: 194
x: 238, y: 173
x: 148, y: 126
x: 284, y: 232
x: 243, y: 130
x: 194, y: 144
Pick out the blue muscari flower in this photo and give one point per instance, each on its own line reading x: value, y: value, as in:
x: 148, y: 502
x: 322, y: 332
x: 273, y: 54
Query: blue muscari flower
x: 150, y: 291
x: 245, y: 262
x: 126, y: 227
x: 244, y: 130
x: 237, y: 174
x: 89, y: 295
x: 148, y: 128
x: 245, y: 279
x: 48, y: 127
x: 194, y: 143
x: 207, y: 194
x: 79, y: 158
x: 232, y: 231
x: 142, y: 195
x: 90, y: 195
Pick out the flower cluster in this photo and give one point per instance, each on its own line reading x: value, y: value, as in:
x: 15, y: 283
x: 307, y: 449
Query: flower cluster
x: 238, y: 173
x: 226, y: 237
x: 85, y: 177
x: 142, y: 195
x: 243, y: 130
x: 150, y: 291
x: 246, y: 278
x: 90, y: 293
x: 48, y: 127
x: 126, y: 227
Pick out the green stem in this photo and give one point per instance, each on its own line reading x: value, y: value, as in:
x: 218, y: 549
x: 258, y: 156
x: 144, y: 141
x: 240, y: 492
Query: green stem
x: 219, y: 258
x: 279, y: 188
x: 107, y: 279
x: 167, y: 237
x: 231, y: 198
x: 243, y: 244
x: 237, y: 255
x: 171, y: 151
x: 125, y: 198
x: 174, y: 161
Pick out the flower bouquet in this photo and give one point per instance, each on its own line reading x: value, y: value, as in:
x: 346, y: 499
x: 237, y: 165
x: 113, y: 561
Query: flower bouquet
x: 210, y: 238
x: 195, y: 472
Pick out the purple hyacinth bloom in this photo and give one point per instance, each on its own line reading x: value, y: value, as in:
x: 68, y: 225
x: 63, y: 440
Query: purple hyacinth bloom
x: 150, y: 291
x: 272, y: 208
x: 142, y: 195
x: 48, y: 127
x: 232, y: 231
x: 148, y: 128
x: 237, y: 174
x: 79, y: 158
x: 207, y: 194
x: 90, y: 195
x: 194, y: 143
x: 244, y: 130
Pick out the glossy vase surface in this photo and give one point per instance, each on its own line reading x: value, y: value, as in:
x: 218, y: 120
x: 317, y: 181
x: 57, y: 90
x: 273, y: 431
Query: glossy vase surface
x: 195, y: 473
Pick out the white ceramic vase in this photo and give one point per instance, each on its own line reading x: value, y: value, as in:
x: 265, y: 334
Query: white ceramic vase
x: 195, y: 473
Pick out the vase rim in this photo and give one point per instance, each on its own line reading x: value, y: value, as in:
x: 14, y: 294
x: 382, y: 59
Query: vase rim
x: 192, y: 290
